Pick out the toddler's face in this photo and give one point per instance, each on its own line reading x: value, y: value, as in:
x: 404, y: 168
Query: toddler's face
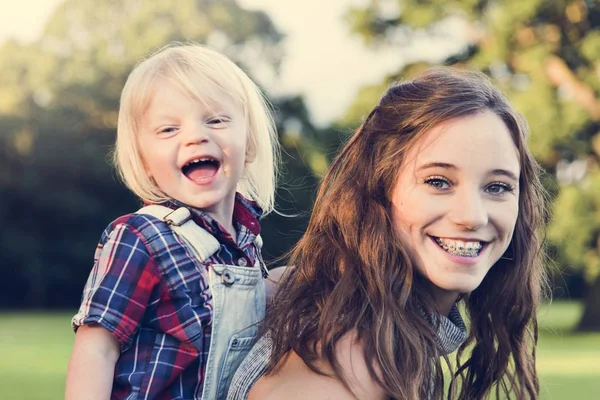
x: 195, y: 150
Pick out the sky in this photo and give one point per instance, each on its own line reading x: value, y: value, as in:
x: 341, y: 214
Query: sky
x: 318, y: 47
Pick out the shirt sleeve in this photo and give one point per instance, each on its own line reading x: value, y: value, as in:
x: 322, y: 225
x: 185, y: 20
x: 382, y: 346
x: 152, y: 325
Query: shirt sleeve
x: 120, y: 285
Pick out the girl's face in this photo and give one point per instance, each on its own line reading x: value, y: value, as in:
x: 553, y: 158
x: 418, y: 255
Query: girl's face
x: 456, y: 201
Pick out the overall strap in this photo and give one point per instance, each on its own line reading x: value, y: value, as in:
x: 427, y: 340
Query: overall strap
x: 180, y: 220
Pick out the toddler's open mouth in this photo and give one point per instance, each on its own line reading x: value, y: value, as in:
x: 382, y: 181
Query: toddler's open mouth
x: 200, y: 170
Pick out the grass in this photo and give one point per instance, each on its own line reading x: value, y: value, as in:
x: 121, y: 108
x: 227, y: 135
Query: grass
x: 34, y: 352
x: 568, y: 363
x: 35, y: 348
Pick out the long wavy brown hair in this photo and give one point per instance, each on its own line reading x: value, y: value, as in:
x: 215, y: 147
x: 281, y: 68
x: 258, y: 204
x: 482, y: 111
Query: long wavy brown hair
x: 354, y: 274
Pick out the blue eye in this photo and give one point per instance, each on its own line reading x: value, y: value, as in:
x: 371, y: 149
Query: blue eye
x: 499, y: 188
x: 438, y: 182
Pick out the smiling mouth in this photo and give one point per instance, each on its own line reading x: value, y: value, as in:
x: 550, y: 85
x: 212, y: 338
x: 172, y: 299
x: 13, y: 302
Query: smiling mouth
x: 201, y: 169
x: 460, y: 248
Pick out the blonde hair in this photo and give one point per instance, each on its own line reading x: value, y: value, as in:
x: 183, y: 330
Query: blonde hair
x: 187, y: 67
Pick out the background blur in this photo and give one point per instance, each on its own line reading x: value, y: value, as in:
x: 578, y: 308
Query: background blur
x: 324, y: 65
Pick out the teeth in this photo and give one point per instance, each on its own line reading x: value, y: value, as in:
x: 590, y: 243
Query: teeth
x: 459, y: 247
x: 198, y: 160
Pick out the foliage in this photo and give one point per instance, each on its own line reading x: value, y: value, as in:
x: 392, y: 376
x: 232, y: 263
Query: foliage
x: 58, y: 109
x: 545, y: 55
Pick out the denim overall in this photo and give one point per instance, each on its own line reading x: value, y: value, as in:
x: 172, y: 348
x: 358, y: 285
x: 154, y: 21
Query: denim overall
x: 238, y: 300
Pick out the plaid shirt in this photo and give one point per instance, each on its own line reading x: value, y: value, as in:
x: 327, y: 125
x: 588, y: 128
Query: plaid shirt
x: 152, y: 294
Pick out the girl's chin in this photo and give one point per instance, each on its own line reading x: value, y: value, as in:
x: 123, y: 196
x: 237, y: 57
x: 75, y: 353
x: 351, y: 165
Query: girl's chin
x: 454, y: 284
x: 458, y: 288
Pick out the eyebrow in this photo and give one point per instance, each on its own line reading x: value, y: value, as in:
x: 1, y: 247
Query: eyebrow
x: 497, y: 171
x: 506, y: 173
x: 437, y: 165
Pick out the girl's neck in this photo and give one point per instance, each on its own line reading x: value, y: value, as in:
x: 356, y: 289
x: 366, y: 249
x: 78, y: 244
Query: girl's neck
x: 444, y: 301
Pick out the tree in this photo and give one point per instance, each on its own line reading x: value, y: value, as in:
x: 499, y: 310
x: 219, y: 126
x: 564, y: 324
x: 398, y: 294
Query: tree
x: 545, y: 55
x: 58, y: 110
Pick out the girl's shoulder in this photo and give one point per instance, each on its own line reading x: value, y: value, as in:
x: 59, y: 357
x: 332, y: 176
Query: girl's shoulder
x: 295, y: 380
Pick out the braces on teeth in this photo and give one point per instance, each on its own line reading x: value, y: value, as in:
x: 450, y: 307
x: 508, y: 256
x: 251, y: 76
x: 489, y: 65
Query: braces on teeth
x: 468, y: 249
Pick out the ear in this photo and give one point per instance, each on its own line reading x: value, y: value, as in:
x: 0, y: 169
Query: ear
x: 250, y: 151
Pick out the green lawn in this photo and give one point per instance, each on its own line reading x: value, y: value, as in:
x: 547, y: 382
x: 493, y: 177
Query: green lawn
x: 569, y: 364
x: 34, y: 351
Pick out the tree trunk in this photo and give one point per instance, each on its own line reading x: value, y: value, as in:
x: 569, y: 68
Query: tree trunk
x: 590, y: 320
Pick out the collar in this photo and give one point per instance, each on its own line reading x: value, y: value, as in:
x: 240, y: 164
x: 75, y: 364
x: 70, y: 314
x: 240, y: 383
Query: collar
x: 452, y: 331
x: 245, y: 219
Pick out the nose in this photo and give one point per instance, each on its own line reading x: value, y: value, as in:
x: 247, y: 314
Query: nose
x: 195, y: 133
x: 469, y: 210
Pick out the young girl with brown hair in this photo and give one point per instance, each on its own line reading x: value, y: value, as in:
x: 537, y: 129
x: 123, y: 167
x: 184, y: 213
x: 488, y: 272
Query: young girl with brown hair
x: 434, y: 205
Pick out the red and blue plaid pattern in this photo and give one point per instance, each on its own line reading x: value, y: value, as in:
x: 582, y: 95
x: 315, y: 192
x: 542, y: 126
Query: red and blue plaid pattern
x: 148, y: 289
